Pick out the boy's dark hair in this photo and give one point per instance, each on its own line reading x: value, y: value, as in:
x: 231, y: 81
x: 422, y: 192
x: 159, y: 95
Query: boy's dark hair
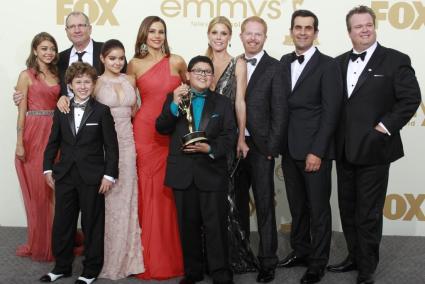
x: 78, y: 69
x: 200, y: 58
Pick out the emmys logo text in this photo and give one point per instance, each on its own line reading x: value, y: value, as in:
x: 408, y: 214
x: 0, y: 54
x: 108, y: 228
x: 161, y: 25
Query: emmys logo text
x: 100, y: 12
x: 229, y: 8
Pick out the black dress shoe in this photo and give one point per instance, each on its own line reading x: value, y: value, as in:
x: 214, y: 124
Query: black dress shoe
x: 292, y: 260
x: 365, y: 279
x: 344, y: 266
x: 312, y: 275
x: 51, y: 277
x: 265, y: 275
x: 190, y: 280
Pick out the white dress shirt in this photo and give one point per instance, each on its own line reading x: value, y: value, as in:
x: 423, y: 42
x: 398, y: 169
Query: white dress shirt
x: 355, y: 69
x: 250, y: 70
x: 87, y: 58
x: 297, y: 68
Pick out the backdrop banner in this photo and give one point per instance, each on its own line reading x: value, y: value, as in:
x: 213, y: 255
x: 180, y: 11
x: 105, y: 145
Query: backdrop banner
x: 400, y: 25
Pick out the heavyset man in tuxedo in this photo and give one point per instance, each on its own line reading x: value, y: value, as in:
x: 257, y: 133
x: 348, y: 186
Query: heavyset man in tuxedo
x: 314, y: 108
x: 266, y: 120
x: 381, y: 94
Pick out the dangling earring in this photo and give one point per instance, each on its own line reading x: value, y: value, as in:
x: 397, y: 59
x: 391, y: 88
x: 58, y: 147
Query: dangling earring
x: 162, y: 48
x: 144, y: 49
x: 230, y: 44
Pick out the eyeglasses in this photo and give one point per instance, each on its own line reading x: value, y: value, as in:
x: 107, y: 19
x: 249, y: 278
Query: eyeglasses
x: 207, y: 72
x: 79, y: 26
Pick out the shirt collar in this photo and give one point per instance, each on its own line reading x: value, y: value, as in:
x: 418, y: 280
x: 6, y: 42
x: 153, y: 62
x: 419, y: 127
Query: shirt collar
x: 88, y: 49
x: 369, y: 51
x: 308, y: 54
x: 258, y: 56
x: 83, y: 102
x: 197, y: 94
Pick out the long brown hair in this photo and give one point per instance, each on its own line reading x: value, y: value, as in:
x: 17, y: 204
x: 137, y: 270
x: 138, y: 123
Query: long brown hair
x: 217, y: 20
x: 32, y: 58
x: 142, y: 35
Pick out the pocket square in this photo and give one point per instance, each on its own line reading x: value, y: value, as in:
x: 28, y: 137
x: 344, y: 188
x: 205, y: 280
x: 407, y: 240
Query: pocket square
x: 378, y: 75
x: 92, y: 124
x: 214, y: 115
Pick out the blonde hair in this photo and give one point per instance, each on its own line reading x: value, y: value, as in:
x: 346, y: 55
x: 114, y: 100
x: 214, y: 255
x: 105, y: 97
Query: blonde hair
x: 217, y: 20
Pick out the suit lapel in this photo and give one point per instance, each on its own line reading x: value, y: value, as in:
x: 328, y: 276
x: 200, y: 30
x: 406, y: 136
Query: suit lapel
x: 374, y: 61
x: 87, y: 112
x: 71, y: 121
x: 96, y: 57
x: 344, y: 68
x: 259, y: 70
x: 206, y: 112
x: 286, y: 61
x: 311, y: 65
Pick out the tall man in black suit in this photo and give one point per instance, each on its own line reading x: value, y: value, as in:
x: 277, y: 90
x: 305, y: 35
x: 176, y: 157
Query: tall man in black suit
x: 381, y: 96
x: 266, y: 120
x: 314, y: 107
x: 198, y: 172
x: 88, y: 164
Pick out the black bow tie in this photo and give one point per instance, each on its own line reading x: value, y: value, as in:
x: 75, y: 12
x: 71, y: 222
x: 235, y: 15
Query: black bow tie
x: 253, y: 61
x: 354, y: 56
x: 78, y: 105
x: 80, y: 56
x: 296, y: 57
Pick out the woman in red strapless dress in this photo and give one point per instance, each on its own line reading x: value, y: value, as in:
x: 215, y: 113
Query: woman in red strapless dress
x: 157, y: 73
x: 40, y: 89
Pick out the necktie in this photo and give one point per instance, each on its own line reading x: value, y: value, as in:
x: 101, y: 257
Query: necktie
x: 80, y: 56
x: 296, y: 57
x: 252, y: 61
x: 78, y: 105
x: 354, y: 56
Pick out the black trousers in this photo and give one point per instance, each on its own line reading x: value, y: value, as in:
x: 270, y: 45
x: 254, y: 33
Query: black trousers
x: 71, y: 196
x: 258, y: 171
x: 308, y: 196
x: 204, y: 213
x: 361, y: 196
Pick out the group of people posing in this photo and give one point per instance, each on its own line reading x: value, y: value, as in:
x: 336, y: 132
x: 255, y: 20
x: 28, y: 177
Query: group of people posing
x: 155, y: 209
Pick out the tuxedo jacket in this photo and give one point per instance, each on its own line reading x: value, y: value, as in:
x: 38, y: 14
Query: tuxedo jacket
x: 94, y: 149
x: 63, y: 64
x: 267, y: 106
x: 387, y: 91
x: 208, y: 174
x: 314, y: 107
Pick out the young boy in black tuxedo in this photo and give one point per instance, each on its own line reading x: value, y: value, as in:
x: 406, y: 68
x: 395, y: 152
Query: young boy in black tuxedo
x: 198, y: 172
x: 88, y: 165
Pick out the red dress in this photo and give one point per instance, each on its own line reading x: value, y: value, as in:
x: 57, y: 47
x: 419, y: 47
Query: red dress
x: 37, y: 195
x: 162, y: 253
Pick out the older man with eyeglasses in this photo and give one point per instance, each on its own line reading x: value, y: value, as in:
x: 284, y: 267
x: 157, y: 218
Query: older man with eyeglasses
x: 84, y: 48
